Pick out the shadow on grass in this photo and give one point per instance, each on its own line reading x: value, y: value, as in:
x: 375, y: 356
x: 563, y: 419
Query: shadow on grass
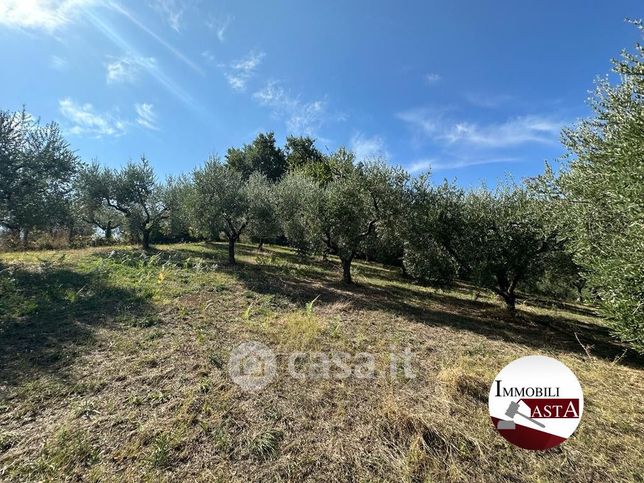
x: 547, y: 303
x: 286, y: 275
x: 48, y: 315
x: 299, y: 285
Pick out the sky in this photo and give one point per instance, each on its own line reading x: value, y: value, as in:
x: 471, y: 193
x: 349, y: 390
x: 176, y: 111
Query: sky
x: 472, y: 89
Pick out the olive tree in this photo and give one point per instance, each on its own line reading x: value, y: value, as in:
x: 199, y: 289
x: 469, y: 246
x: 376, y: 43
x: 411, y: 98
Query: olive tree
x: 131, y: 192
x: 435, y: 232
x: 296, y: 199
x: 221, y: 203
x: 37, y: 168
x: 263, y: 222
x: 93, y: 192
x: 354, y: 204
x: 598, y: 198
x: 505, y: 239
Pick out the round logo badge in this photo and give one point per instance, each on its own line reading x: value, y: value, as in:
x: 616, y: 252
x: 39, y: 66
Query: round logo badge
x: 252, y: 366
x: 536, y: 402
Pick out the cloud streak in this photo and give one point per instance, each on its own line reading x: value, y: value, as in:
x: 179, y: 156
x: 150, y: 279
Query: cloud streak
x: 241, y: 71
x: 82, y: 119
x: 172, y: 11
x: 368, y: 147
x: 433, y: 165
x: 151, y: 68
x: 432, y: 78
x: 85, y: 121
x: 128, y: 68
x: 512, y: 132
x: 173, y: 50
x: 58, y: 63
x: 301, y: 118
x: 220, y: 26
x: 146, y: 117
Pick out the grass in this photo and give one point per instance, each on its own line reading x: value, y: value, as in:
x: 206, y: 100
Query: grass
x: 113, y: 367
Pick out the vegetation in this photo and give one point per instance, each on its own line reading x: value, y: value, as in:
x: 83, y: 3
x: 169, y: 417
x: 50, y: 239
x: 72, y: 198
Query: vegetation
x: 111, y: 358
x: 576, y: 234
x: 36, y: 166
x: 598, y: 198
x: 114, y: 367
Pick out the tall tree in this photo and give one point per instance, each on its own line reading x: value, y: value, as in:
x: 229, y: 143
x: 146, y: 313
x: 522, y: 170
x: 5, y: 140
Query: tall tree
x: 296, y: 199
x: 179, y: 196
x: 263, y: 222
x: 302, y: 154
x: 506, y: 239
x: 353, y: 204
x: 93, y: 191
x: 221, y: 203
x: 37, y: 168
x: 261, y: 155
x: 434, y: 230
x: 131, y: 192
x: 599, y: 196
x: 139, y: 196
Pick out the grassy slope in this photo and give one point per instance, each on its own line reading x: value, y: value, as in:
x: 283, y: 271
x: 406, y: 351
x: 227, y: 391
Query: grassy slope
x: 113, y: 367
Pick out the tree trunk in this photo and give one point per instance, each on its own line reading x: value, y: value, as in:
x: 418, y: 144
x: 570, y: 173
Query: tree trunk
x: 505, y: 290
x: 146, y: 238
x: 260, y: 247
x: 346, y: 270
x: 24, y: 235
x: 108, y: 232
x: 231, y: 251
x: 579, y: 285
x: 510, y: 301
x: 403, y: 269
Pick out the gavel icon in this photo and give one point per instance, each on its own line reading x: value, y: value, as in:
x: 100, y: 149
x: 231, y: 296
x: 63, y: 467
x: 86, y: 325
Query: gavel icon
x: 512, y: 411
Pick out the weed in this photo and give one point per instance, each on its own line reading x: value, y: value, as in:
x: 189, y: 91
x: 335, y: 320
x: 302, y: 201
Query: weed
x: 161, y: 451
x: 265, y: 444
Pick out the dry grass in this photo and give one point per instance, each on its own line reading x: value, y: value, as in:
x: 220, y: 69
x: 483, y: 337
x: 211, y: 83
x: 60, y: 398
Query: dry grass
x: 114, y: 368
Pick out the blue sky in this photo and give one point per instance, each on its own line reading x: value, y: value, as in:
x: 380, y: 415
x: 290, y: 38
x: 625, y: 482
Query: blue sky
x: 474, y: 89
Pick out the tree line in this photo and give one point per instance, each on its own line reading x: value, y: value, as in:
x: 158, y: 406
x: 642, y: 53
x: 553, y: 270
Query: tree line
x: 579, y: 228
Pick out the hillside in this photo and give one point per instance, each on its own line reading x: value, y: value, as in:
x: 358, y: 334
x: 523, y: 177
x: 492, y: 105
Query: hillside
x: 113, y: 367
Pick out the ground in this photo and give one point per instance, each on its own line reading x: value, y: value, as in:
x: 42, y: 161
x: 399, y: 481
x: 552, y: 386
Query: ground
x: 113, y: 367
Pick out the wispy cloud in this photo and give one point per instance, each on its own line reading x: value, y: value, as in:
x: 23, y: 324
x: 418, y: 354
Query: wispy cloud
x: 173, y: 50
x: 220, y: 25
x: 366, y: 147
x: 146, y: 116
x: 85, y: 121
x: 301, y: 118
x: 82, y: 119
x: 41, y: 14
x: 241, y: 71
x: 152, y: 68
x: 128, y: 68
x: 58, y: 63
x: 434, y: 165
x: 172, y: 12
x: 512, y: 132
x: 432, y: 78
x: 208, y: 56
